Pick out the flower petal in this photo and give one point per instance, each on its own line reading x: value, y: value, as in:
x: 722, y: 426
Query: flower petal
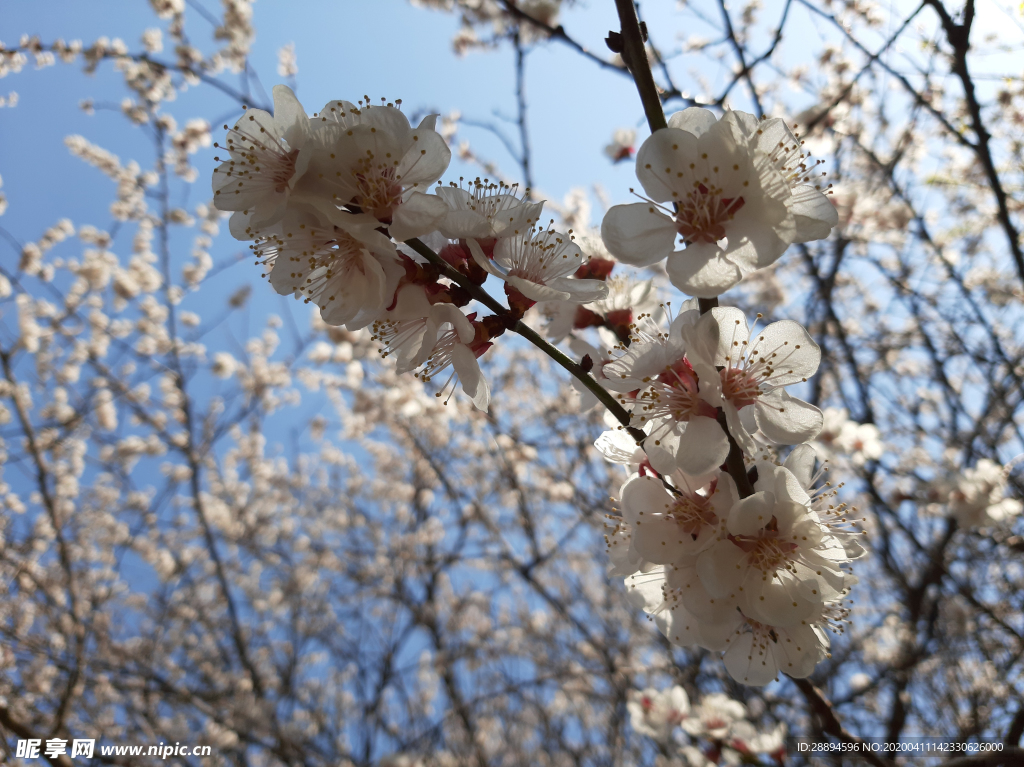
x: 703, y: 447
x: 749, y: 662
x: 787, y: 420
x: 702, y: 270
x: 722, y: 569
x: 419, y: 214
x: 661, y: 157
x: 638, y: 234
x: 471, y: 377
x: 695, y: 120
x: 813, y: 214
x: 749, y: 515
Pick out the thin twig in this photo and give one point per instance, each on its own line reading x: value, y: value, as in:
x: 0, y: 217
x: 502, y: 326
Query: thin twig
x: 530, y: 335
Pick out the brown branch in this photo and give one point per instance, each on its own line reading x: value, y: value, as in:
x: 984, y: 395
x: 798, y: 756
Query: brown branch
x: 634, y: 53
x: 821, y: 707
x: 958, y: 36
x: 10, y: 723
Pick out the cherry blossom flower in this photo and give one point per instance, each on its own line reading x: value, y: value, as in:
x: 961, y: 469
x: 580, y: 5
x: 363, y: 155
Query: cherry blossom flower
x: 656, y: 713
x: 408, y: 330
x: 753, y: 376
x: 486, y: 211
x: 369, y: 159
x: 268, y: 156
x: 979, y: 496
x: 621, y: 147
x: 350, y: 270
x: 678, y: 416
x: 674, y: 527
x: 735, y: 195
x: 538, y: 265
x: 703, y: 184
x: 458, y: 346
x: 775, y: 557
x: 714, y: 717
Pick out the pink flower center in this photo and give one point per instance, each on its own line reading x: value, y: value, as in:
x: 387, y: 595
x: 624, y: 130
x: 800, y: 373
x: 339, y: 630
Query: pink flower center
x: 691, y: 513
x: 282, y: 170
x: 702, y: 216
x: 379, y: 193
x: 675, y: 393
x: 766, y: 552
x: 739, y: 387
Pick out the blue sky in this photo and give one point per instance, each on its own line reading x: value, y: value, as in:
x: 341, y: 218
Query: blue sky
x: 345, y: 49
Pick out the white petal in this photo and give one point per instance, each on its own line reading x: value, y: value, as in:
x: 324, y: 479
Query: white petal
x: 775, y: 602
x: 618, y: 447
x: 722, y: 569
x: 417, y: 215
x: 736, y: 428
x: 355, y: 296
x: 750, y: 663
x: 425, y: 161
x: 703, y: 446
x: 787, y: 420
x: 702, y: 270
x: 794, y: 354
x: 749, y: 515
x: 662, y: 445
x: 471, y: 377
x: 732, y: 332
x: 535, y: 291
x: 693, y: 120
x: 644, y: 590
x: 813, y: 214
x: 581, y: 291
x: 700, y: 339
x: 290, y: 117
x: 642, y: 497
x: 679, y: 626
x: 660, y: 159
x: 801, y: 462
x: 449, y: 313
x: 638, y: 234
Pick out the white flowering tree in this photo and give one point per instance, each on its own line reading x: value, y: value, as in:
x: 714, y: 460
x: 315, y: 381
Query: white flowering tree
x: 507, y: 485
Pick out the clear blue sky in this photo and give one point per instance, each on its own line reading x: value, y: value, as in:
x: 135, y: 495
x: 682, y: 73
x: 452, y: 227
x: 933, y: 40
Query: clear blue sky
x: 345, y: 49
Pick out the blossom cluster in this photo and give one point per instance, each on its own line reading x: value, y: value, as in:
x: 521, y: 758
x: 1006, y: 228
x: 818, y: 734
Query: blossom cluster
x: 342, y: 211
x: 717, y: 728
x: 335, y: 204
x: 754, y: 564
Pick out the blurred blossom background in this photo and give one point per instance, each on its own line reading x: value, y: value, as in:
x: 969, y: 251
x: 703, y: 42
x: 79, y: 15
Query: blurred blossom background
x: 224, y: 522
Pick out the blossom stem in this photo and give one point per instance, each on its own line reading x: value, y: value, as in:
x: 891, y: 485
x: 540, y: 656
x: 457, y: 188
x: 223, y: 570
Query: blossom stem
x: 707, y: 304
x: 734, y: 461
x: 634, y: 53
x: 530, y: 335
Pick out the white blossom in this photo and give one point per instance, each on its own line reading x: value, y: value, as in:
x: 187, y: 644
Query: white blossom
x: 657, y: 712
x: 539, y: 265
x: 369, y: 159
x: 268, y: 156
x: 735, y: 201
